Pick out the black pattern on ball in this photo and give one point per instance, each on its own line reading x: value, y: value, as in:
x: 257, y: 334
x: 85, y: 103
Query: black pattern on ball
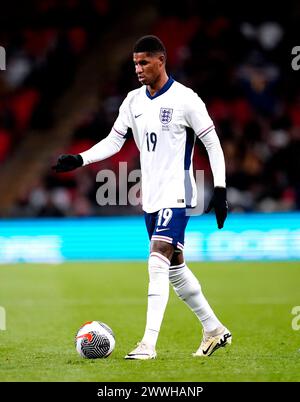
x: 95, y: 348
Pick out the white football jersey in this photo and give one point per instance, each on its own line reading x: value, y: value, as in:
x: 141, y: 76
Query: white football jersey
x: 164, y: 128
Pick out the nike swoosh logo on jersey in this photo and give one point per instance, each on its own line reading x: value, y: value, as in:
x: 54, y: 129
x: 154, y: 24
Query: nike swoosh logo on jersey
x: 161, y: 230
x: 137, y: 115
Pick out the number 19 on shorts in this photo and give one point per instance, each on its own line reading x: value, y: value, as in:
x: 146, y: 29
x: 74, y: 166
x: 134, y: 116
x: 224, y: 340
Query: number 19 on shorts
x: 164, y: 217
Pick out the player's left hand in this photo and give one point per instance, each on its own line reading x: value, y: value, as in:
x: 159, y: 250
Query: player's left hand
x: 220, y: 205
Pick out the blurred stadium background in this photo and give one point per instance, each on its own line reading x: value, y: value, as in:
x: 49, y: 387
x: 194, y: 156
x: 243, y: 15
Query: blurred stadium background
x: 68, y: 68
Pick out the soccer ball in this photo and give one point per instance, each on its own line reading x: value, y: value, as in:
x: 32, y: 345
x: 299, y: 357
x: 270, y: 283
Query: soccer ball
x: 94, y: 340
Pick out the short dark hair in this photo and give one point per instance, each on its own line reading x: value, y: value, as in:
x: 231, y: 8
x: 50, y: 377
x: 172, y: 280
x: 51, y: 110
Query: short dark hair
x: 149, y: 44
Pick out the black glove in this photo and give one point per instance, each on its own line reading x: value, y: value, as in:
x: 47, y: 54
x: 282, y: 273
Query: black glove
x: 219, y: 203
x: 65, y: 163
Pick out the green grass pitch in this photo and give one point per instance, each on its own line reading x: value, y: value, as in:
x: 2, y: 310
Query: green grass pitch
x: 45, y: 305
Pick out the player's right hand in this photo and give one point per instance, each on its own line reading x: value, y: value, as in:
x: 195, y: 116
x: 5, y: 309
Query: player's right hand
x: 66, y: 163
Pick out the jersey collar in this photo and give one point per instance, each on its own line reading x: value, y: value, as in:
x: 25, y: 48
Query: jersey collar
x: 162, y: 89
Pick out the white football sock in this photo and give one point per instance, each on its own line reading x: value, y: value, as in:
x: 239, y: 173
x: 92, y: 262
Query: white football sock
x: 158, y: 295
x: 188, y: 288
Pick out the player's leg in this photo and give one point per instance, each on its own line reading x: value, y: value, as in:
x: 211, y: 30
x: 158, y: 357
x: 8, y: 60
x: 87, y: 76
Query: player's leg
x: 188, y: 288
x: 158, y: 290
x: 158, y: 295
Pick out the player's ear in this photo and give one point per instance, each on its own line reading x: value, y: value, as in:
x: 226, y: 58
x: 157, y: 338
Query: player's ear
x: 162, y: 58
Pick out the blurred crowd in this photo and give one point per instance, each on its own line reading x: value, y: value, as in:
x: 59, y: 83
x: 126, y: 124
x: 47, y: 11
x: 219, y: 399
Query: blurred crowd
x: 239, y: 65
x: 44, y: 42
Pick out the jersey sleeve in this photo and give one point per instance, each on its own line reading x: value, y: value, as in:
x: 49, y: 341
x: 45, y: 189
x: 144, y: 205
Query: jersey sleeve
x: 196, y: 115
x: 216, y: 157
x: 122, y: 123
x: 109, y: 146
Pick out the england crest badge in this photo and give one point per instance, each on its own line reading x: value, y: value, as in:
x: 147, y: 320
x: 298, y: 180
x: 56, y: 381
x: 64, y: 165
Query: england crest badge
x: 165, y: 115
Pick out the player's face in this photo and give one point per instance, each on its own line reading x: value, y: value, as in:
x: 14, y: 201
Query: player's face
x: 148, y: 67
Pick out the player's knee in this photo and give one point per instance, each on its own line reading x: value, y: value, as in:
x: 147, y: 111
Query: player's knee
x: 163, y: 248
x: 158, y: 265
x: 184, y: 281
x: 176, y: 276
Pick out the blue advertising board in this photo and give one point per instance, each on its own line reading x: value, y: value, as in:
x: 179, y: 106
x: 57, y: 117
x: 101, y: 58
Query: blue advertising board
x: 274, y: 236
